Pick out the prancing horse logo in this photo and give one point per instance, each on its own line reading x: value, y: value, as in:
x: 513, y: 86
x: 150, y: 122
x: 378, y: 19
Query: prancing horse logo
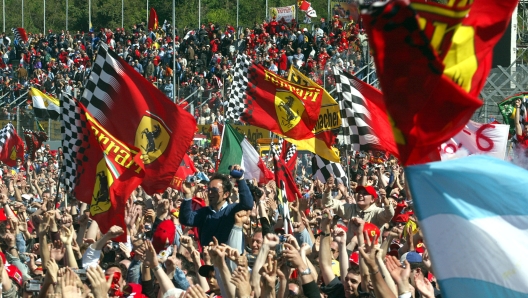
x: 101, y: 192
x: 152, y: 138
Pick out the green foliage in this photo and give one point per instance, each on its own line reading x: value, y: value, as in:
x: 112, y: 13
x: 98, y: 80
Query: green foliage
x: 107, y: 13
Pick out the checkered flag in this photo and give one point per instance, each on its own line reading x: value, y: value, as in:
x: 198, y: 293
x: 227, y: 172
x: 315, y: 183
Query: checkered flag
x: 75, y: 140
x: 6, y: 133
x: 237, y: 102
x: 324, y: 169
x: 357, y: 132
x: 103, y: 84
x: 20, y: 35
x: 285, y: 151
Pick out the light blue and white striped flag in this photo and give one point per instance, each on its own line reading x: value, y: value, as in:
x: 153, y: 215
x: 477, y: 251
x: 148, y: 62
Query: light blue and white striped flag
x: 474, y: 215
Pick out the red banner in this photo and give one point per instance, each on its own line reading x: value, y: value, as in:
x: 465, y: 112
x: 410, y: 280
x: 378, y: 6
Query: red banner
x: 114, y: 169
x: 282, y: 107
x: 425, y: 107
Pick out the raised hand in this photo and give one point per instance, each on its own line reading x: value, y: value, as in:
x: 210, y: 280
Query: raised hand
x: 100, y: 286
x: 240, y: 278
x: 423, y: 285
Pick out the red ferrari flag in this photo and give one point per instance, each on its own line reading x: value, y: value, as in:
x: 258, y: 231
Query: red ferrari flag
x: 259, y: 97
x: 153, y: 23
x: 425, y: 107
x: 99, y: 169
x: 286, y: 188
x: 463, y: 33
x: 136, y: 112
x: 11, y: 145
x: 185, y: 169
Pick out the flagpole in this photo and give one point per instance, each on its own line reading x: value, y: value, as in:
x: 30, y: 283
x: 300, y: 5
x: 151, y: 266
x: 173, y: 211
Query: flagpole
x: 199, y: 13
x: 89, y: 15
x: 147, y: 12
x: 122, y: 13
x: 173, y: 51
x: 237, y: 14
x: 3, y: 8
x: 66, y: 16
x: 221, y: 143
x: 44, y: 16
x: 22, y: 13
x: 267, y: 18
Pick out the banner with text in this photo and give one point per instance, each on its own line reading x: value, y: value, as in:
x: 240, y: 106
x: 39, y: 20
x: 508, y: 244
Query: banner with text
x: 286, y: 12
x: 252, y: 133
x: 477, y: 138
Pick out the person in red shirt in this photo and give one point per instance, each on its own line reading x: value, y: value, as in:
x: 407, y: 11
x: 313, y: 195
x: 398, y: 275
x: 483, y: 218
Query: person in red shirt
x: 214, y: 44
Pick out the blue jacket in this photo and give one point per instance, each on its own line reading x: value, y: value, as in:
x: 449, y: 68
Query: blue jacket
x: 218, y: 224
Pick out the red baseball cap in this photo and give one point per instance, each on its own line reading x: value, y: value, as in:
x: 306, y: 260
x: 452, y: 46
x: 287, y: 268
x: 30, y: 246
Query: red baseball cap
x: 369, y: 189
x: 164, y: 232
x: 354, y: 258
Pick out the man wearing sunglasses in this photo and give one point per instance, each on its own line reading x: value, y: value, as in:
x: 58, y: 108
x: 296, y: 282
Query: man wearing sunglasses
x: 217, y: 219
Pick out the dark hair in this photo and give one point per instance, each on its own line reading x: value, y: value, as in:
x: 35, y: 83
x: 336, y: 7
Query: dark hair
x: 193, y: 276
x: 185, y: 264
x: 422, y: 267
x: 122, y: 267
x: 226, y: 184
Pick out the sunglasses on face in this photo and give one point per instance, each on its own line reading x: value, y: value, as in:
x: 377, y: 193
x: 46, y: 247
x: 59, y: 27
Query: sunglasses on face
x: 213, y: 190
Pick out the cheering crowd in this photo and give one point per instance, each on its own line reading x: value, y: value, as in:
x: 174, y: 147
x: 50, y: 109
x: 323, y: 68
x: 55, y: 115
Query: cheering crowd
x: 218, y: 236
x: 205, y: 57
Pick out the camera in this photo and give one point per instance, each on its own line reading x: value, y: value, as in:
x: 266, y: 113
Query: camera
x: 190, y: 179
x: 318, y: 195
x: 282, y: 238
x: 81, y: 273
x: 115, y: 246
x: 33, y: 285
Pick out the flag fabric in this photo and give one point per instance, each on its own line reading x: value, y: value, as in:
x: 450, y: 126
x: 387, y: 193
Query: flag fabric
x: 477, y: 138
x: 153, y: 22
x: 323, y: 169
x: 185, y: 169
x: 328, y: 123
x: 39, y: 126
x: 311, y: 12
x: 463, y: 34
x: 20, y: 35
x: 425, y: 107
x: 259, y: 97
x: 11, y: 145
x: 287, y: 152
x: 136, y: 112
x: 34, y: 140
x: 508, y: 110
x: 236, y: 150
x: 286, y: 188
x: 45, y: 106
x: 303, y: 5
x: 99, y: 169
x: 473, y: 224
x: 365, y: 123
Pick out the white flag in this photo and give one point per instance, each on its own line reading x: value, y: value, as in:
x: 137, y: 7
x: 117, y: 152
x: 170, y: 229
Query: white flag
x: 477, y: 138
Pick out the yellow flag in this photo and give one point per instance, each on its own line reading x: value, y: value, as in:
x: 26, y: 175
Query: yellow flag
x: 329, y: 119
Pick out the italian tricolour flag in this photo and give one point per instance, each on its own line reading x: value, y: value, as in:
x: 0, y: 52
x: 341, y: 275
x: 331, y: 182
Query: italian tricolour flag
x: 236, y: 150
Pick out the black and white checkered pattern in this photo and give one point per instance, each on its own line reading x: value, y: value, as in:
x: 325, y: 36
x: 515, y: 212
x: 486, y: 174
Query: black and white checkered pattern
x: 20, y: 34
x: 6, y: 133
x: 237, y: 93
x: 291, y: 150
x: 75, y: 140
x: 96, y: 97
x: 356, y: 132
x: 324, y: 169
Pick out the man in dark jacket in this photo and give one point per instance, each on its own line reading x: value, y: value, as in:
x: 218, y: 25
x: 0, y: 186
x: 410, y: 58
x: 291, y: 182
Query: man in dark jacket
x: 218, y: 218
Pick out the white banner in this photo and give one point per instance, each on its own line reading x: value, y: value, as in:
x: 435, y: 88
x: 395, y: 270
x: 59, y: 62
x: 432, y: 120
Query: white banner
x: 477, y: 138
x: 286, y: 12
